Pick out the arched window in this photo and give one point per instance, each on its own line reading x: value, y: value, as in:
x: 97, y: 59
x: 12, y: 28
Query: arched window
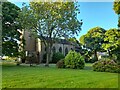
x: 60, y: 49
x: 45, y: 49
x: 66, y: 51
x: 54, y: 50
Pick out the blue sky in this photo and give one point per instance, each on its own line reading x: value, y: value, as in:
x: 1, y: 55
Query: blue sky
x: 97, y: 14
x: 94, y: 14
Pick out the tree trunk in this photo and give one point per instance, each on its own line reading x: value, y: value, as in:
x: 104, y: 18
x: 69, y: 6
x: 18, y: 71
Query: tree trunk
x: 95, y: 56
x: 49, y: 49
x: 47, y: 56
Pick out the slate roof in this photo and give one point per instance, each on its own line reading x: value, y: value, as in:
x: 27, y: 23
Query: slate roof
x: 64, y: 41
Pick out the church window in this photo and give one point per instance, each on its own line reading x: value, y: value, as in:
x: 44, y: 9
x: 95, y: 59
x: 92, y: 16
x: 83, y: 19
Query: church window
x: 60, y: 49
x: 54, y: 50
x: 45, y: 48
x: 66, y: 51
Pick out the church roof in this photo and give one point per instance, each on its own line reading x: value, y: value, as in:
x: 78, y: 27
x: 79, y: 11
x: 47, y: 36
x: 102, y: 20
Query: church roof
x: 64, y: 41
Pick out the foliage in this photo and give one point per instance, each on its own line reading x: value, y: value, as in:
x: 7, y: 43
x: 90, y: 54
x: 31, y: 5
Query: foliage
x: 87, y: 55
x: 112, y: 42
x: 56, y: 57
x: 60, y: 64
x: 10, y: 33
x: 93, y: 40
x: 106, y: 66
x: 82, y: 39
x: 111, y: 39
x: 116, y: 8
x: 94, y: 59
x: 51, y: 20
x: 74, y: 60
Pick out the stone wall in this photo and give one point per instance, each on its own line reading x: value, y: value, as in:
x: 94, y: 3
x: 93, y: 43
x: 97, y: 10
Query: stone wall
x: 63, y: 48
x: 30, y: 42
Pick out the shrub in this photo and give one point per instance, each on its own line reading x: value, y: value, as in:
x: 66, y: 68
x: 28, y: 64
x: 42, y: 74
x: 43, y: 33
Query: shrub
x: 60, y: 64
x: 74, y: 60
x: 56, y: 57
x: 94, y: 59
x: 106, y: 66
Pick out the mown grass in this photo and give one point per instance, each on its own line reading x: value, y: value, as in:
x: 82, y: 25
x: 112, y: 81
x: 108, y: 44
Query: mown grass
x: 52, y: 77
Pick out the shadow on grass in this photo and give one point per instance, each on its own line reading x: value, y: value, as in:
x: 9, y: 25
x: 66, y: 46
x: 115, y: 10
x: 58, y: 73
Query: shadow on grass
x: 88, y: 66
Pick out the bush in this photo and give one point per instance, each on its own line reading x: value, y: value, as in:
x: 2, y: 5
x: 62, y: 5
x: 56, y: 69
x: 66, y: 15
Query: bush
x: 56, y: 57
x: 74, y: 60
x: 106, y: 66
x: 60, y: 64
x: 94, y: 59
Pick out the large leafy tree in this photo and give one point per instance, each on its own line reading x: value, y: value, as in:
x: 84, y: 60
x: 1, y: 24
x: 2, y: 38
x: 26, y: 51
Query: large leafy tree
x: 112, y: 42
x: 10, y: 33
x: 50, y: 21
x: 116, y: 8
x: 93, y: 40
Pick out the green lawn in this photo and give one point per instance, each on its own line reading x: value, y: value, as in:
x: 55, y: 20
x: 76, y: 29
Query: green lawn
x: 52, y: 77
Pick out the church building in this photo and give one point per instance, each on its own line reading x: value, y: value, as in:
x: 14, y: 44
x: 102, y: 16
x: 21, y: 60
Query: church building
x: 37, y: 47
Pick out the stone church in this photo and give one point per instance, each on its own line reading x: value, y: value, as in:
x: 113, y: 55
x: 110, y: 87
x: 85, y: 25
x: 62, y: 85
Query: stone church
x: 37, y: 47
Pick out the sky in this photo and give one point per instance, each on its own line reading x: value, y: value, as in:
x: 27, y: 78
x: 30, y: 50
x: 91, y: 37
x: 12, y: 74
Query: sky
x: 93, y: 14
x: 97, y: 14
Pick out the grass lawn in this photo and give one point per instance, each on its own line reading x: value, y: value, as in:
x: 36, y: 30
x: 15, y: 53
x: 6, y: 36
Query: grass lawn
x: 52, y: 77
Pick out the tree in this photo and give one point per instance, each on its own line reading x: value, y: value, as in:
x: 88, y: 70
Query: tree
x: 10, y: 33
x: 112, y: 42
x: 116, y: 8
x: 51, y: 21
x: 82, y: 39
x: 75, y: 41
x: 93, y: 40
